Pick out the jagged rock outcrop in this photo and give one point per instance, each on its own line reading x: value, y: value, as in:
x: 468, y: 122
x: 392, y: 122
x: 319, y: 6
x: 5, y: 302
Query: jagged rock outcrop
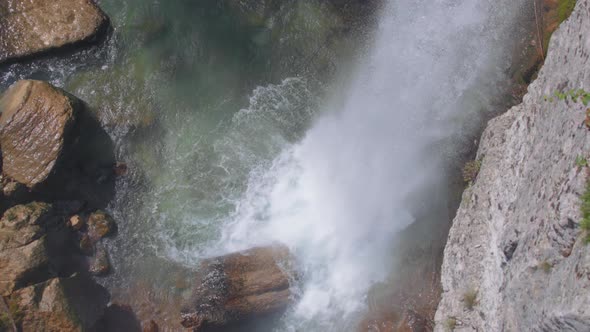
x: 240, y: 286
x: 37, y: 249
x: 28, y: 27
x: 60, y: 304
x: 516, y: 259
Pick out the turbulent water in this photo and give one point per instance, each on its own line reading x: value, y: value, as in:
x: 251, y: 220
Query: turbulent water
x: 227, y: 151
x: 339, y: 196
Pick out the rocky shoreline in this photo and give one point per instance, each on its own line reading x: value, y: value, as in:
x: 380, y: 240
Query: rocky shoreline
x: 50, y: 241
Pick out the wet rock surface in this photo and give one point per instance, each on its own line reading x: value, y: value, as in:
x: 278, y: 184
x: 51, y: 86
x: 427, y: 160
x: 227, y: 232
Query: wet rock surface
x: 100, y: 225
x: 51, y: 161
x: 516, y: 259
x: 240, y: 286
x: 36, y: 120
x: 29, y: 27
x: 60, y: 304
x: 52, y: 145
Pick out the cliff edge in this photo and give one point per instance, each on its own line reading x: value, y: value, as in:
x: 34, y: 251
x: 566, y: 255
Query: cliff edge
x: 516, y: 257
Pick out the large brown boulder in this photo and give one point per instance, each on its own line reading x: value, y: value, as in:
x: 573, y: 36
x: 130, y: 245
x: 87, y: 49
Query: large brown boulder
x: 23, y: 224
x: 28, y: 27
x: 35, y: 245
x: 23, y: 266
x: 36, y: 117
x: 240, y: 286
x: 59, y: 304
x: 52, y: 144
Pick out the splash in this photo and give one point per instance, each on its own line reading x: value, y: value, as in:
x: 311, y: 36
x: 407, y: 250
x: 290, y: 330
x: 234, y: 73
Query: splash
x: 370, y: 164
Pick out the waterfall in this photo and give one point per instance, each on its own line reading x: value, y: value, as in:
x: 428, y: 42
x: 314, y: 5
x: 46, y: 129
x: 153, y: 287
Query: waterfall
x: 378, y: 155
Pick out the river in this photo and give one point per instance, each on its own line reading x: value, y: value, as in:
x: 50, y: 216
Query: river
x: 242, y: 134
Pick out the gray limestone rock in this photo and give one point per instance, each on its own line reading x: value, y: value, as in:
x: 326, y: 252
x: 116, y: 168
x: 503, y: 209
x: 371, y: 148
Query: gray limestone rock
x: 516, y: 241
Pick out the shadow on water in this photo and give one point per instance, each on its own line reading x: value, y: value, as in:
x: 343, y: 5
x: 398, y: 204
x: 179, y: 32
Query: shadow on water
x: 85, y: 169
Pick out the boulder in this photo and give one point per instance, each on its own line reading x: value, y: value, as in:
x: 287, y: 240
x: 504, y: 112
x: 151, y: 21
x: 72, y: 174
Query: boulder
x: 99, y: 264
x: 60, y: 304
x: 29, y: 27
x: 54, y: 146
x: 86, y: 245
x: 76, y: 222
x: 36, y: 118
x: 100, y: 225
x: 23, y: 224
x: 240, y: 286
x: 23, y: 266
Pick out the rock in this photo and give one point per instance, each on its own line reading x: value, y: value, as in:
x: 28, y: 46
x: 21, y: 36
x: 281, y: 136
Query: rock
x: 61, y: 304
x: 23, y: 266
x: 36, y: 118
x: 240, y: 286
x: 12, y: 189
x: 86, y: 245
x: 523, y: 212
x: 29, y: 27
x: 76, y: 222
x: 99, y: 263
x: 22, y: 224
x: 52, y: 144
x: 100, y: 225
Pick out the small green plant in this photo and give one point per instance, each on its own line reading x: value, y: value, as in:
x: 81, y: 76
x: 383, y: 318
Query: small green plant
x: 575, y: 95
x: 585, y: 210
x: 471, y: 170
x: 450, y: 324
x: 581, y: 161
x: 470, y: 299
x: 546, y: 266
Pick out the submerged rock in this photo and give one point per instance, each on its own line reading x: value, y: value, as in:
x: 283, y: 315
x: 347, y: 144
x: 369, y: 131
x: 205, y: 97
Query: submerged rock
x: 60, y: 304
x: 240, y: 286
x: 99, y: 263
x: 100, y: 225
x: 36, y: 118
x: 28, y: 27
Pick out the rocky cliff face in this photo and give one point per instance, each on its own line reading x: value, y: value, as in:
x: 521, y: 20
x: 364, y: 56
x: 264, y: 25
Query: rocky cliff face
x: 516, y: 259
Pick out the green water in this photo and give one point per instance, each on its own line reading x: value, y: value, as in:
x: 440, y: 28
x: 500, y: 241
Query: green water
x: 196, y: 95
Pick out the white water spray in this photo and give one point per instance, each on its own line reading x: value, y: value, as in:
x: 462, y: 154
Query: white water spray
x: 338, y: 197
